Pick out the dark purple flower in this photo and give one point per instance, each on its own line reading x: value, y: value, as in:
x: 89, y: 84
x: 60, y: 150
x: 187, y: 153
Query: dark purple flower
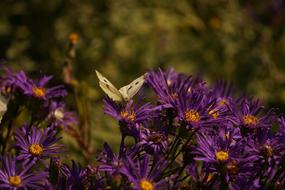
x: 223, y: 91
x: 130, y: 116
x: 97, y: 179
x: 14, y: 175
x: 36, y: 144
x: 280, y: 136
x: 252, y: 115
x: 266, y: 147
x: 221, y: 96
x: 193, y: 110
x: 281, y: 130
x: 168, y: 85
x: 37, y: 89
x: 225, y: 156
x: 130, y: 112
x: 153, y: 142
x: 7, y: 81
x: 59, y: 116
x: 109, y: 161
x: 141, y: 176
x: 76, y: 177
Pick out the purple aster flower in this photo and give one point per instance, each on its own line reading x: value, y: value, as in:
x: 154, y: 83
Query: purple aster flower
x: 59, y: 116
x: 223, y: 91
x: 107, y: 172
x: 218, y: 112
x: 266, y: 147
x: 38, y: 144
x: 280, y: 135
x: 153, y: 142
x: 109, y: 161
x: 14, y: 175
x: 193, y: 110
x: 225, y: 157
x: 37, y: 89
x: 97, y: 179
x: 7, y: 81
x: 130, y: 113
x: 222, y: 100
x: 141, y: 176
x: 76, y: 177
x: 158, y: 82
x: 167, y: 86
x: 130, y: 116
x: 252, y: 115
x: 281, y: 130
x: 270, y: 178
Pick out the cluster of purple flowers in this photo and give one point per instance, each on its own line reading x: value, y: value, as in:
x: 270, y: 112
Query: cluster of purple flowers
x: 28, y: 147
x: 192, y: 136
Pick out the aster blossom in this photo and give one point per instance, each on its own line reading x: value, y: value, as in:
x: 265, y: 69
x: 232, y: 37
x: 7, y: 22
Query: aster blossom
x: 59, y: 116
x: 193, y: 110
x: 14, y: 175
x: 141, y: 176
x: 225, y: 156
x: 131, y: 117
x: 252, y: 115
x: 34, y: 88
x: 36, y: 144
x: 130, y: 112
x: 168, y: 85
x: 153, y: 142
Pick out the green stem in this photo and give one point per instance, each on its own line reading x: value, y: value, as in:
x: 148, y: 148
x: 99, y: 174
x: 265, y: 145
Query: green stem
x: 6, y: 138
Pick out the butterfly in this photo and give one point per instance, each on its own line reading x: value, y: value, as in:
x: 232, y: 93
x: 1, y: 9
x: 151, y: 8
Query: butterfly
x: 123, y: 94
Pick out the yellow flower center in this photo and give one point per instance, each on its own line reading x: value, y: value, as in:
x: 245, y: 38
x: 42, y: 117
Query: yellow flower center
x: 156, y: 138
x: 192, y: 116
x: 15, y: 180
x: 6, y: 89
x: 146, y: 185
x: 36, y: 149
x: 215, y: 114
x: 222, y: 155
x: 250, y: 120
x: 184, y: 186
x: 39, y: 91
x: 268, y: 150
x: 174, y: 95
x: 130, y: 116
x: 223, y: 102
x: 232, y: 167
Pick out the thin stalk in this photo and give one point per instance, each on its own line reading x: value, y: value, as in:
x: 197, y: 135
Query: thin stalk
x: 8, y: 134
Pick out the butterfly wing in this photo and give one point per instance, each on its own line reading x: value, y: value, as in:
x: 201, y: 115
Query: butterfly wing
x: 131, y: 89
x: 109, y: 88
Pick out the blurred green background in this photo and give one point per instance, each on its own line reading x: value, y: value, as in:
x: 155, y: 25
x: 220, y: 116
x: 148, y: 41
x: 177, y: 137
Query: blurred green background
x: 239, y: 41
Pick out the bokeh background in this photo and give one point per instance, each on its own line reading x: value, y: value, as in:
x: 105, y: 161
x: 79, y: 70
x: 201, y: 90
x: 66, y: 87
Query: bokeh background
x: 238, y: 41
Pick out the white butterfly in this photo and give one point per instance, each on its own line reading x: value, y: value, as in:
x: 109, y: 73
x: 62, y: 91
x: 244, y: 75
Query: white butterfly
x: 125, y: 93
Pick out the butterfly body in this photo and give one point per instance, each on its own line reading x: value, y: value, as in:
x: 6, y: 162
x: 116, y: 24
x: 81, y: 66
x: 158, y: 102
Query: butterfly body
x: 123, y: 94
